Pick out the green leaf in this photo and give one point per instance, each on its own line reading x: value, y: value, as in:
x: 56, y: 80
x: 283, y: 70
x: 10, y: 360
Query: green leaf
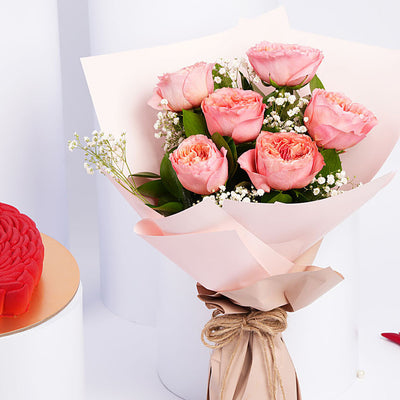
x: 165, y: 198
x: 245, y: 83
x: 243, y: 147
x: 332, y: 161
x: 275, y: 196
x: 283, y: 198
x: 194, y: 124
x: 152, y: 189
x: 300, y: 85
x: 240, y: 177
x: 221, y: 142
x: 232, y: 146
x: 316, y: 83
x: 245, y: 184
x: 171, y: 182
x: 272, y: 83
x: 303, y: 196
x: 145, y: 175
x: 169, y: 208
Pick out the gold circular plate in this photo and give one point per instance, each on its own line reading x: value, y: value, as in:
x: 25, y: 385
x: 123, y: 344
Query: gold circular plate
x: 56, y: 288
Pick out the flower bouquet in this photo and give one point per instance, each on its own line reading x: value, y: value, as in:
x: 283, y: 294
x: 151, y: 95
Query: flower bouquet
x: 252, y: 174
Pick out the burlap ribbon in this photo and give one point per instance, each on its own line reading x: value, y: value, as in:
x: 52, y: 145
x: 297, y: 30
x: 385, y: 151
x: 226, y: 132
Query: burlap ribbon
x: 224, y: 329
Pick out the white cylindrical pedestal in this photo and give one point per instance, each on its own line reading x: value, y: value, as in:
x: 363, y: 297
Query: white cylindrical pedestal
x: 128, y: 265
x: 322, y: 338
x: 182, y: 362
x: 45, y: 361
x: 33, y: 147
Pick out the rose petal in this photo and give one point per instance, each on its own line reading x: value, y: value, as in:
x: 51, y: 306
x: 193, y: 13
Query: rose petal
x: 247, y: 163
x: 196, y: 85
x: 220, y: 175
x: 155, y: 100
x: 248, y: 130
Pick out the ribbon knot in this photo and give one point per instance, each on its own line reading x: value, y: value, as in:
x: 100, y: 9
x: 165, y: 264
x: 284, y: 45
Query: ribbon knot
x: 223, y: 329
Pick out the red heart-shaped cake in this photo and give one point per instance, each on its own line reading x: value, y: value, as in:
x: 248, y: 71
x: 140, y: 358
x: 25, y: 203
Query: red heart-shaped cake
x: 21, y: 260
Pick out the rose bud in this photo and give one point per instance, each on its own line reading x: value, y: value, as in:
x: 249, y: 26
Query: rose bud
x: 199, y: 165
x: 334, y: 122
x: 285, y: 64
x: 282, y: 161
x: 234, y: 112
x: 183, y: 89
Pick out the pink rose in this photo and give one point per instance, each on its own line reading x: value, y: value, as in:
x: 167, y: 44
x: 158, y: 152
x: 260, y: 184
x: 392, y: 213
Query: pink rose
x: 183, y: 89
x: 199, y: 165
x: 334, y: 122
x: 285, y: 64
x: 234, y: 112
x: 282, y: 161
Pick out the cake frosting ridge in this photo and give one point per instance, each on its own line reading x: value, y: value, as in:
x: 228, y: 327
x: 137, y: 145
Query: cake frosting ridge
x: 21, y: 260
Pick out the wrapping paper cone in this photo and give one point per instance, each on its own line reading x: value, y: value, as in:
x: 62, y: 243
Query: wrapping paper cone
x: 233, y: 251
x: 236, y: 235
x: 242, y: 368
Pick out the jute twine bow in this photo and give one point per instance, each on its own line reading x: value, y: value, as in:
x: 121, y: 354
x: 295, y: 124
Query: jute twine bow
x: 223, y: 329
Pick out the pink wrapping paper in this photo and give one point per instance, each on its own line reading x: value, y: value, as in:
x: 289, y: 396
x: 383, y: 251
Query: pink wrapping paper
x: 255, y: 240
x: 247, y: 255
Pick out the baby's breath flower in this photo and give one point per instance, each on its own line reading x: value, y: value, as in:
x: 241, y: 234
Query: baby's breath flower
x: 169, y: 126
x: 293, y: 111
x: 300, y: 129
x: 72, y: 144
x: 107, y: 155
x: 217, y: 79
x: 330, y: 179
x: 323, y: 187
x: 88, y: 168
x: 240, y: 193
x: 260, y: 192
x: 280, y: 101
